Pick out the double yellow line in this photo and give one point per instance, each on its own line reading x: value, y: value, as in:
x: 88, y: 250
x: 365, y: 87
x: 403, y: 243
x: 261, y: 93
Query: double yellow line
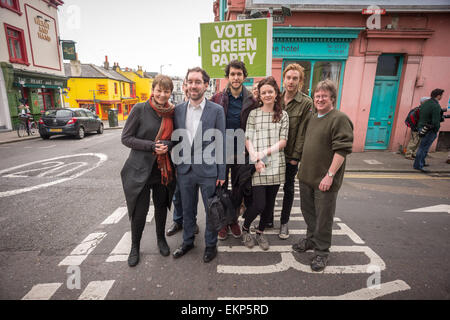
x: 406, y: 176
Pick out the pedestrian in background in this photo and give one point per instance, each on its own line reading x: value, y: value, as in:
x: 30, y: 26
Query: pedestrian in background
x: 414, y: 141
x: 328, y: 140
x: 148, y: 132
x: 255, y: 90
x: 429, y: 124
x: 237, y: 102
x: 266, y: 135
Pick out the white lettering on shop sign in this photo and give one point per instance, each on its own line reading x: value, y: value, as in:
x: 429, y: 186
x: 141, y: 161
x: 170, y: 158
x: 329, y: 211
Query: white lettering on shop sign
x: 226, y: 50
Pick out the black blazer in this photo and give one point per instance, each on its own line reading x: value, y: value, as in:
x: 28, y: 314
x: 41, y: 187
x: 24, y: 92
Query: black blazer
x: 139, y: 133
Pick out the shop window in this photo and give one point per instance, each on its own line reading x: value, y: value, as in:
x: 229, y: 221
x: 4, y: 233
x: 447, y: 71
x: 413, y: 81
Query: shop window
x: 316, y: 71
x: 12, y: 5
x: 16, y: 45
x: 115, y: 88
x: 45, y: 99
x: 387, y: 65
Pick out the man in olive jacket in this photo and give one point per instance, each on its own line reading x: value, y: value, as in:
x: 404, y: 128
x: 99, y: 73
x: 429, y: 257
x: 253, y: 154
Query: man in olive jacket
x: 328, y: 140
x: 430, y: 116
x: 299, y: 107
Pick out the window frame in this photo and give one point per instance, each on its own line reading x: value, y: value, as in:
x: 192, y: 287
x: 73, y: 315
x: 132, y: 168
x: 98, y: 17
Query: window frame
x: 15, y: 8
x: 22, y: 43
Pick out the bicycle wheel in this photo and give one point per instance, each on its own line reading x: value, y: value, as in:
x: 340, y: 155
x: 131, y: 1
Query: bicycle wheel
x: 33, y: 128
x: 21, y: 130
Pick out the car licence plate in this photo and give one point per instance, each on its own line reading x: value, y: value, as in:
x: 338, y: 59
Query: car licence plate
x: 55, y: 130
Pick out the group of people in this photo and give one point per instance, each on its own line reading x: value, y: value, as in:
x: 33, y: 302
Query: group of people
x: 423, y: 134
x: 286, y: 134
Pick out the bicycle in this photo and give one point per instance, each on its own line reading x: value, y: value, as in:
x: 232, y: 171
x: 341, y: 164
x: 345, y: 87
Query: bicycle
x: 22, y: 128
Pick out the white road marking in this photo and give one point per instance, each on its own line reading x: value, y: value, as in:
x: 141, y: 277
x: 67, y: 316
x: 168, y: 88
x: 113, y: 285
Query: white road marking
x: 102, y: 158
x: 81, y: 252
x: 52, y: 146
x: 372, y: 162
x: 96, y: 290
x: 122, y: 249
x: 438, y: 208
x: 361, y: 294
x: 43, y: 291
x: 288, y: 261
x: 116, y: 216
x: 290, y: 219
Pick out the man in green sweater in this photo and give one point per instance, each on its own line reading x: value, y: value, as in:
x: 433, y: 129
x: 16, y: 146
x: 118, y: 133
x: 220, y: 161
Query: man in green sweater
x: 328, y: 140
x: 430, y: 117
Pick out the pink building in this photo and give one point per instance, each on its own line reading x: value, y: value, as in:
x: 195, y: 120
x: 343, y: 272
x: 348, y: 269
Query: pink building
x: 383, y: 64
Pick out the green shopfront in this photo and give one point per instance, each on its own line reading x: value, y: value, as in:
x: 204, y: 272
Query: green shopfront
x: 43, y: 91
x: 321, y: 51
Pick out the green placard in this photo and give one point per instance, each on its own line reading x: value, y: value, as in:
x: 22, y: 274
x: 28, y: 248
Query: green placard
x: 246, y: 40
x: 69, y: 52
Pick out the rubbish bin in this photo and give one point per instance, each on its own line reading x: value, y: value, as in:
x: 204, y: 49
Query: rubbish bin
x: 113, y: 117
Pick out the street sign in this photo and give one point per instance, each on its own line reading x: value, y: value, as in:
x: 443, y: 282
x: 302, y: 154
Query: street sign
x: 69, y: 52
x: 247, y: 40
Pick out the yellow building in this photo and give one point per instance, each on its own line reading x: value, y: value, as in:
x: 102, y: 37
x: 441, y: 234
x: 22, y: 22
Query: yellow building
x: 99, y: 88
x: 143, y: 83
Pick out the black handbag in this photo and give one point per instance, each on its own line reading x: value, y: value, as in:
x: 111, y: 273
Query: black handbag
x: 220, y: 210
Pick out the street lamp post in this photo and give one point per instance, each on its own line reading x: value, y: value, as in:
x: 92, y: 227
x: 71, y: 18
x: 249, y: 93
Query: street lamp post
x: 93, y: 91
x: 161, y: 67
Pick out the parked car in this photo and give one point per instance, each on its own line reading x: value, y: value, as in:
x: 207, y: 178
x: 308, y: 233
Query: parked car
x: 69, y: 121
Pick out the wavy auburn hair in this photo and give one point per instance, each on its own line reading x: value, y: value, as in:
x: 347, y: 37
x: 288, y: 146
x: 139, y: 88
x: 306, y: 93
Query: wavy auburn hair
x: 277, y: 110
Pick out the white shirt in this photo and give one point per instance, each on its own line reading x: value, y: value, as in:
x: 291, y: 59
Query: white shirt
x: 193, y: 115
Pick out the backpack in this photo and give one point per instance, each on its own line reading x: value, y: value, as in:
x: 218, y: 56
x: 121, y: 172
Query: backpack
x: 412, y: 119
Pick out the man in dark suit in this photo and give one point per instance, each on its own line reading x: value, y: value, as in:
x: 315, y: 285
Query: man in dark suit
x: 199, y: 157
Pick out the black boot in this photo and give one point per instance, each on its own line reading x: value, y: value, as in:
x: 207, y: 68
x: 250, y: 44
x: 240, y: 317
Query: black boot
x: 133, y: 258
x: 160, y: 222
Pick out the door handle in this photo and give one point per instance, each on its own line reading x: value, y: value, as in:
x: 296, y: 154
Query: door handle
x: 389, y: 122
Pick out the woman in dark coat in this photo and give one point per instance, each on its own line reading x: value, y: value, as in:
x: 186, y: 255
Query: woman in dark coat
x: 148, y: 132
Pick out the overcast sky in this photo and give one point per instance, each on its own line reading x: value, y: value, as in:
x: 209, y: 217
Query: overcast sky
x: 148, y: 33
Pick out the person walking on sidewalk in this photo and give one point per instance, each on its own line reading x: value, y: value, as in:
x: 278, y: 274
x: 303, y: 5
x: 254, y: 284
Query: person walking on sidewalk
x: 148, y: 132
x: 328, y: 140
x: 194, y: 119
x: 266, y: 136
x: 414, y: 141
x: 299, y: 107
x: 237, y: 102
x: 177, y: 224
x: 429, y: 124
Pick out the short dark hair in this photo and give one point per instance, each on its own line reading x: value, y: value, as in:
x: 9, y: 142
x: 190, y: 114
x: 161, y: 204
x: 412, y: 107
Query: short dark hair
x: 236, y: 64
x: 164, y: 82
x: 436, y: 92
x: 205, y: 75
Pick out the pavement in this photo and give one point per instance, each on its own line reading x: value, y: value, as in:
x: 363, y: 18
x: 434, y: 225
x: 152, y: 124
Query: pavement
x: 368, y: 161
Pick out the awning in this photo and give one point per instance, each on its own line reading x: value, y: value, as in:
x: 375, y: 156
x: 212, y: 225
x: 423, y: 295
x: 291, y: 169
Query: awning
x: 42, y: 86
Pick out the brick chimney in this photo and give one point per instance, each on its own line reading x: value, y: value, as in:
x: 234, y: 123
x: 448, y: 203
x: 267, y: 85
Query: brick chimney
x: 106, y: 63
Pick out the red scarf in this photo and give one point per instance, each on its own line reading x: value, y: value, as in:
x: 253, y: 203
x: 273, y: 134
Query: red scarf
x: 164, y: 133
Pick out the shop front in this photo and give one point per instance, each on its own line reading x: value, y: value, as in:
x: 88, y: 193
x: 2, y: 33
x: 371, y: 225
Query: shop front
x: 42, y: 92
x: 322, y: 52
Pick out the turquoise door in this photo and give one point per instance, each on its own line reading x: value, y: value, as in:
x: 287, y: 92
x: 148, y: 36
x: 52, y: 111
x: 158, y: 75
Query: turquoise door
x: 384, y: 101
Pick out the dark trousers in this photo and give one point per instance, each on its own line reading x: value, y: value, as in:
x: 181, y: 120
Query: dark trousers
x: 189, y: 184
x: 178, y: 208
x: 424, y: 146
x: 159, y: 196
x: 318, y: 210
x: 289, y: 192
x: 233, y: 168
x: 262, y: 204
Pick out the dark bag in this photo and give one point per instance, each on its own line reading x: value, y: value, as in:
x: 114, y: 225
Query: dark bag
x: 412, y: 119
x: 220, y: 210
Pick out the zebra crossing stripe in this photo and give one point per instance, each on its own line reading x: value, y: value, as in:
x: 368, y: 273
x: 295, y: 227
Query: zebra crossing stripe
x: 116, y: 216
x: 43, y: 291
x: 122, y: 249
x: 96, y: 290
x: 81, y: 252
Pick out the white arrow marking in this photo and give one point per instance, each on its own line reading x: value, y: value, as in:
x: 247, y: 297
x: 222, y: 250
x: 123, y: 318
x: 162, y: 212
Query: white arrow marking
x: 438, y: 208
